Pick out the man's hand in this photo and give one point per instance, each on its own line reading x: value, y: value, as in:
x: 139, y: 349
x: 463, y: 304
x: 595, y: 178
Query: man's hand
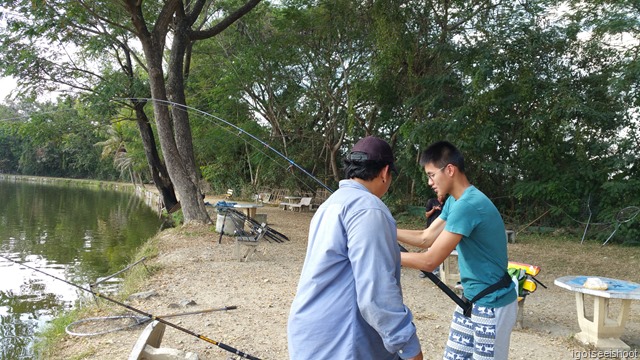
x: 417, y: 357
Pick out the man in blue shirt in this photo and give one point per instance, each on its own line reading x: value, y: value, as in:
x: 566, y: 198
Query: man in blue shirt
x: 349, y: 300
x: 472, y: 225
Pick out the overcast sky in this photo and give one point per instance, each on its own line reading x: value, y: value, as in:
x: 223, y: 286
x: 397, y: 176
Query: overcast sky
x: 6, y: 85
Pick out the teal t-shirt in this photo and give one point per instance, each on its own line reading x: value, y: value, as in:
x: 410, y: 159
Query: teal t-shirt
x: 482, y: 251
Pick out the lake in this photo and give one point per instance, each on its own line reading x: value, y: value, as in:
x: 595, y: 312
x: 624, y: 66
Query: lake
x: 75, y: 233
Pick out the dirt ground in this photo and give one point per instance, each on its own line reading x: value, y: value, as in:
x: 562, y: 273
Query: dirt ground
x: 193, y: 266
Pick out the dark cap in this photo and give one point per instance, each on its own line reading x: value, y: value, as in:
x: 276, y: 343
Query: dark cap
x: 373, y: 149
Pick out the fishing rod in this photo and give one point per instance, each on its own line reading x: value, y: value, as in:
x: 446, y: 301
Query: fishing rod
x: 122, y: 322
x: 291, y: 162
x: 148, y: 315
x: 431, y: 276
x: 436, y: 280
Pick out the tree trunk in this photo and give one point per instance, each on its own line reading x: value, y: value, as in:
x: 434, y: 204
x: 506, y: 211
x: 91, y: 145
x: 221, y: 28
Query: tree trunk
x: 174, y: 130
x: 195, y: 210
x: 158, y: 171
x: 153, y: 46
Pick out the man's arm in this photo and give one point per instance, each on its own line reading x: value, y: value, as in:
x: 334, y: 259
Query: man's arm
x: 374, y: 262
x: 428, y: 213
x: 429, y: 209
x: 422, y: 238
x: 437, y: 253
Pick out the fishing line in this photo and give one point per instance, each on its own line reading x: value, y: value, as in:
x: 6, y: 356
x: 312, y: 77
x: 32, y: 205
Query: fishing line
x: 286, y: 168
x: 291, y: 162
x: 623, y: 216
x: 145, y: 314
x: 433, y: 278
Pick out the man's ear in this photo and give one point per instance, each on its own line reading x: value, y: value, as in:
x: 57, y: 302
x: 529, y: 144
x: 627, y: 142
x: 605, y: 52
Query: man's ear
x: 386, y: 171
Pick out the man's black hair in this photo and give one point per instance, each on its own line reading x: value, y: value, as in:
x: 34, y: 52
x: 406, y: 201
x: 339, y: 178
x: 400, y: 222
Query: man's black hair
x: 441, y: 154
x: 366, y: 170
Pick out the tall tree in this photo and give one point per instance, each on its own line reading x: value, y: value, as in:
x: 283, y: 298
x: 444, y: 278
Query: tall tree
x: 105, y: 68
x: 187, y: 22
x: 153, y: 23
x: 304, y: 68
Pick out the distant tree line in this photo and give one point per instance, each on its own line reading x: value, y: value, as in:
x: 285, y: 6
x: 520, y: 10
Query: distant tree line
x: 542, y: 99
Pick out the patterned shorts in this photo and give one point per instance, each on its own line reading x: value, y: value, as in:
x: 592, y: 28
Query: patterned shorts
x: 475, y: 337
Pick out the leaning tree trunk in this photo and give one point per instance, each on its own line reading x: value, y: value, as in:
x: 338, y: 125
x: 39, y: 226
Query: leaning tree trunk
x: 193, y: 208
x: 158, y: 171
x: 180, y: 117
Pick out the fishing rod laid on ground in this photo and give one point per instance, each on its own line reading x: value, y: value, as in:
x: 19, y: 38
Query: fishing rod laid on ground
x: 145, y: 314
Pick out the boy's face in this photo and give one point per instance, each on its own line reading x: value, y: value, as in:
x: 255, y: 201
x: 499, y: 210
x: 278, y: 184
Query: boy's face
x: 438, y: 180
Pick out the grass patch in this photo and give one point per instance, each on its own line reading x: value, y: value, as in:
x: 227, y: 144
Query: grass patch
x: 49, y: 338
x: 561, y: 255
x: 135, y: 277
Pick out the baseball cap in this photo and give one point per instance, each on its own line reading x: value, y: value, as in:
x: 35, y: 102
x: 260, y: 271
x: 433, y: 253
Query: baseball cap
x: 373, y: 149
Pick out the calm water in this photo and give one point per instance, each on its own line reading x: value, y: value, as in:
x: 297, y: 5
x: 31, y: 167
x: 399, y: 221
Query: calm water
x: 72, y: 233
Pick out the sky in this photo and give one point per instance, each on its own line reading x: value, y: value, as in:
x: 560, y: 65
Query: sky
x: 6, y: 85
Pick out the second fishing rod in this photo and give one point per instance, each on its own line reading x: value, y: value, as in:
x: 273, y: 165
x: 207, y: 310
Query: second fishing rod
x: 143, y: 313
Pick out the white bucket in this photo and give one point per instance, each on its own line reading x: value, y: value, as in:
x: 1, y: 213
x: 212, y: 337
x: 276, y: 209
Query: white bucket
x: 229, y: 226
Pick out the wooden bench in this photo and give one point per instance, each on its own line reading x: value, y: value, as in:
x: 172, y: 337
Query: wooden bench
x: 449, y: 273
x: 263, y: 198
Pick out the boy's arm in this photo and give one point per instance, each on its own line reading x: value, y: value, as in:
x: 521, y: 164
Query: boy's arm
x: 422, y: 238
x: 431, y: 259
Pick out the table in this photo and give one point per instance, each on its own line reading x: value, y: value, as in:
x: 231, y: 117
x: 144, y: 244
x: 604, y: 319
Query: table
x: 249, y: 208
x: 599, y: 329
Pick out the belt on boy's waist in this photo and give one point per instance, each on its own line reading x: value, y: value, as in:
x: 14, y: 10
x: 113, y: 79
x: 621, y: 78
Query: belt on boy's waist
x: 504, y: 282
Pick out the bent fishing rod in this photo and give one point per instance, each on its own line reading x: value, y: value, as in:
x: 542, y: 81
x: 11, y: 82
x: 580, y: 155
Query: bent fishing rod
x: 145, y: 314
x: 291, y: 162
x: 431, y: 276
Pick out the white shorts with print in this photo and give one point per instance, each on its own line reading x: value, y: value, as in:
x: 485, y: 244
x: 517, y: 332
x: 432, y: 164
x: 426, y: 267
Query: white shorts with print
x: 483, y: 336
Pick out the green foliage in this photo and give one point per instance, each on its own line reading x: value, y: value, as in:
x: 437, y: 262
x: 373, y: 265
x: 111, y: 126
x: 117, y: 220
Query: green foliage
x: 53, y: 140
x: 544, y: 109
x: 54, y: 332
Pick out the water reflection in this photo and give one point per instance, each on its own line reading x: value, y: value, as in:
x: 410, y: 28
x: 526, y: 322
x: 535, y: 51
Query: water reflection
x: 75, y: 234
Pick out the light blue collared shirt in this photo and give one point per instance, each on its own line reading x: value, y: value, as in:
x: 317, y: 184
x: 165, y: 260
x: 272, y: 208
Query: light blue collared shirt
x: 349, y: 300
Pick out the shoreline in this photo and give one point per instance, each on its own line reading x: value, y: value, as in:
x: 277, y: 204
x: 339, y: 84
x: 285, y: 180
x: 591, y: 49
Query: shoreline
x: 192, y: 266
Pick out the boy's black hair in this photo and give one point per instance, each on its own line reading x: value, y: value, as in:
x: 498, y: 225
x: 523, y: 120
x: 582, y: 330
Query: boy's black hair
x: 441, y: 154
